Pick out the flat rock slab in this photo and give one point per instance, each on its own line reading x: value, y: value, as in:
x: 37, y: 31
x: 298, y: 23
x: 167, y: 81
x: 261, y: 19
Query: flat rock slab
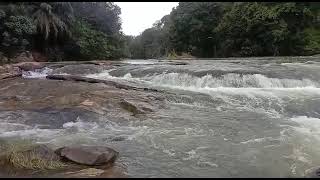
x: 89, y: 155
x: 79, y: 69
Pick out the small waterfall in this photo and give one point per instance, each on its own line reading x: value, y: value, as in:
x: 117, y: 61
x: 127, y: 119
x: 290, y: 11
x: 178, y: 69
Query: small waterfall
x: 231, y: 80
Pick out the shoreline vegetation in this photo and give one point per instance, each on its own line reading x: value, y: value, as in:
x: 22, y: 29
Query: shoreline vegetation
x: 84, y: 31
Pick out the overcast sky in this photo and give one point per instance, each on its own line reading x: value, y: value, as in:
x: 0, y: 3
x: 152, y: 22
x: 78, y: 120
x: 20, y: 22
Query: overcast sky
x: 138, y: 16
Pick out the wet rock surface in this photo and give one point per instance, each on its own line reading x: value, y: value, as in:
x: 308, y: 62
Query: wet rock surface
x: 89, y: 172
x: 27, y: 104
x: 80, y: 69
x: 135, y: 107
x: 89, y: 155
x: 313, y: 173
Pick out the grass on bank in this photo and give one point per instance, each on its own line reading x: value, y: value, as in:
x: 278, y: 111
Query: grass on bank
x: 12, y: 155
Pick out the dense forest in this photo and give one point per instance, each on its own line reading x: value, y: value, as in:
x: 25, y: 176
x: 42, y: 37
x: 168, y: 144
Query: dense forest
x: 92, y: 30
x: 62, y: 30
x: 224, y: 29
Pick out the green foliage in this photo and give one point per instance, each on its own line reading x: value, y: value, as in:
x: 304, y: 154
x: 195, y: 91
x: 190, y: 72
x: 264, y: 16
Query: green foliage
x: 48, y: 22
x: 47, y: 27
x: 92, y: 30
x: 223, y: 29
x: 312, y: 38
x: 20, y: 25
x: 15, y: 32
x: 93, y: 44
x: 98, y: 33
x: 102, y: 16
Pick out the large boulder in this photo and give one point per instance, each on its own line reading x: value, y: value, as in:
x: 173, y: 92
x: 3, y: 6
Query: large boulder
x: 29, y: 66
x: 89, y: 155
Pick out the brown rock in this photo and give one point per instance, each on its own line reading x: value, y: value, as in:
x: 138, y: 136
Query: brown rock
x: 89, y: 155
x: 25, y: 56
x: 29, y: 66
x: 10, y: 75
x: 8, y: 71
x: 130, y: 107
x: 38, y: 57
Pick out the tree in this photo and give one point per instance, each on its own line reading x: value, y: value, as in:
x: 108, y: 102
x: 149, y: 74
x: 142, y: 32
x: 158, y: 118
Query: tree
x: 16, y: 29
x: 262, y: 29
x: 192, y: 24
x: 48, y: 22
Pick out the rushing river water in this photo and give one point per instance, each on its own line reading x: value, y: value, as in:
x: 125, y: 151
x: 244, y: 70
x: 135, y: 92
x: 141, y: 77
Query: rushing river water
x: 256, y: 117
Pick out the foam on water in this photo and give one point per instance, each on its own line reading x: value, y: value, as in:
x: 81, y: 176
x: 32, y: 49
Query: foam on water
x: 308, y: 126
x: 229, y: 83
x: 228, y: 80
x: 38, y: 73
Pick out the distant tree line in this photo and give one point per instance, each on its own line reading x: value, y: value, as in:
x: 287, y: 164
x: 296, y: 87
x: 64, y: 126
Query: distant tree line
x: 92, y: 30
x: 224, y: 29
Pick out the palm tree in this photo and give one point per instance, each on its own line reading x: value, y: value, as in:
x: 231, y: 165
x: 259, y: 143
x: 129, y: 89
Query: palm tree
x: 47, y: 21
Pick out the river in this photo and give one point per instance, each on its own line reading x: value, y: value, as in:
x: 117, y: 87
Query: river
x: 235, y: 117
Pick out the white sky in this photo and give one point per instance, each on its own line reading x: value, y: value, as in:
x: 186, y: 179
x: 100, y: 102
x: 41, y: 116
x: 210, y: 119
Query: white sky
x: 138, y: 16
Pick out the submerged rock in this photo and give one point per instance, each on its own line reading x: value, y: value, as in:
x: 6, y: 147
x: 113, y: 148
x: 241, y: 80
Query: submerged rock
x: 89, y: 172
x: 135, y: 107
x: 89, y: 155
x: 313, y: 173
x: 115, y: 171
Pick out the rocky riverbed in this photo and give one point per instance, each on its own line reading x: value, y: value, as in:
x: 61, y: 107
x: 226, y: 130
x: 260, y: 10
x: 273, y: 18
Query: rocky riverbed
x: 52, y: 103
x: 235, y: 117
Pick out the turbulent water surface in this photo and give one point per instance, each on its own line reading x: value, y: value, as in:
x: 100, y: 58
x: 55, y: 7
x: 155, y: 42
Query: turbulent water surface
x: 255, y: 117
